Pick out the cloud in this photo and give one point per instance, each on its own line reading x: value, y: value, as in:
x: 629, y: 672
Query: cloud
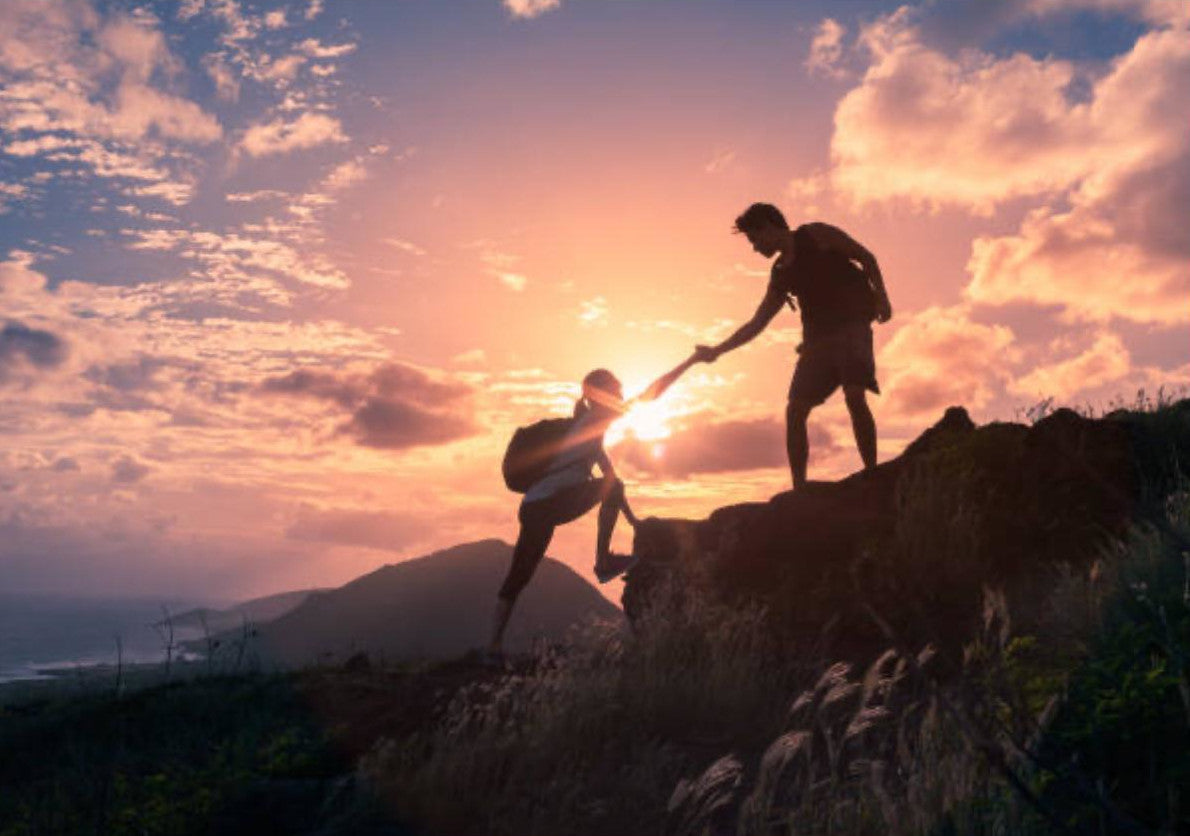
x: 1119, y: 250
x: 512, y: 281
x: 345, y: 174
x: 316, y: 49
x: 245, y: 261
x: 309, y: 130
x: 1077, y: 261
x: 526, y: 9
x: 707, y: 446
x: 404, y: 246
x: 805, y: 192
x: 969, y: 131
x: 593, y: 312
x: 476, y: 356
x: 127, y: 471
x: 395, y: 406
x: 350, y: 527
x: 826, y: 49
x: 1101, y: 150
x: 283, y: 69
x: 942, y: 358
x: 720, y: 162
x: 65, y: 68
x: 24, y: 349
x: 10, y: 192
x: 395, y: 424
x: 1106, y: 361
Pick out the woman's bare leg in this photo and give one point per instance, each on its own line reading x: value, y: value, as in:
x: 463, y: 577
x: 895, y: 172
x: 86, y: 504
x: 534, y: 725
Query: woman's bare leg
x: 532, y: 541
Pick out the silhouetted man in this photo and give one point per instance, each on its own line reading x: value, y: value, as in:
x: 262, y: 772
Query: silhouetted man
x: 838, y: 285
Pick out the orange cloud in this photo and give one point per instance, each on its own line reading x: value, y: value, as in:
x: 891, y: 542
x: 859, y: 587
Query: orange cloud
x: 1107, y: 360
x: 941, y: 358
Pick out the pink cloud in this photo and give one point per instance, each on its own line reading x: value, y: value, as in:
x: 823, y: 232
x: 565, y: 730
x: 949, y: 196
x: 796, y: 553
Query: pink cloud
x: 1105, y: 361
x: 970, y: 130
x: 826, y: 49
x: 1120, y: 250
x: 309, y: 130
x: 940, y: 358
x: 1109, y: 171
x: 707, y: 445
x: 525, y: 9
x: 65, y: 68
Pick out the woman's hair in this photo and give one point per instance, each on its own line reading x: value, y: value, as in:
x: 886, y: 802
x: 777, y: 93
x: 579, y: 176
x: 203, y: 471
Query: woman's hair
x: 596, y: 383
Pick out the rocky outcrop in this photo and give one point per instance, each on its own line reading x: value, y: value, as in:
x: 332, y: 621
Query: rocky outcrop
x: 917, y: 540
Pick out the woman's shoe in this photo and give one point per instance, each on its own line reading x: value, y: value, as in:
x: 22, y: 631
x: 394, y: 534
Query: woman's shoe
x: 613, y: 565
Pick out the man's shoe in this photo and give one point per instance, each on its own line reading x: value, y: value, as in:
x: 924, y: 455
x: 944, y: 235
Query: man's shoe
x: 613, y: 565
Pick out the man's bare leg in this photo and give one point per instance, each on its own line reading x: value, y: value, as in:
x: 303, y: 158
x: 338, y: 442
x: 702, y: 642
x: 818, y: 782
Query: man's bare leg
x: 797, y: 441
x: 862, y: 424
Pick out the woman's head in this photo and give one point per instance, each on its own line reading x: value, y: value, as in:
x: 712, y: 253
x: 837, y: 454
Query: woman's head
x: 603, y: 392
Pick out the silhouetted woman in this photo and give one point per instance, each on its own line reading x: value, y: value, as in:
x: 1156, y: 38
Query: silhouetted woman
x: 569, y: 490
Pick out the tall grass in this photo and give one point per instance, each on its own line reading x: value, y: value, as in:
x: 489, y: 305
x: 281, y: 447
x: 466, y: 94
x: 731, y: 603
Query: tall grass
x: 594, y: 736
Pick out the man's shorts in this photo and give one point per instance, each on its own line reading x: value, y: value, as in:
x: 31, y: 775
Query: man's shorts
x: 841, y: 358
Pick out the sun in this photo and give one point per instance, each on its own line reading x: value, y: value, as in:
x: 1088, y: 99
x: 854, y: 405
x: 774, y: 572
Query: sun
x: 644, y: 420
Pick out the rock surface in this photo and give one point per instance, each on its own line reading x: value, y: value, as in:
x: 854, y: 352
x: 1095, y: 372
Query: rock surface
x: 919, y: 538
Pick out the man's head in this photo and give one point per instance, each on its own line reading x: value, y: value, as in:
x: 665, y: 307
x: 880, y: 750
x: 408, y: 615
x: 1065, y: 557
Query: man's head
x: 764, y: 226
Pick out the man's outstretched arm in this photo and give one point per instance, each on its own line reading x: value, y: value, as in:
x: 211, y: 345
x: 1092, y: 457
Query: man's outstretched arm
x: 770, y: 305
x: 833, y: 238
x: 657, y: 388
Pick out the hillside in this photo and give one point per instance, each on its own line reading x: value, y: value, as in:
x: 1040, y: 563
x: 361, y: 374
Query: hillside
x: 917, y: 541
x: 254, y: 610
x: 435, y: 606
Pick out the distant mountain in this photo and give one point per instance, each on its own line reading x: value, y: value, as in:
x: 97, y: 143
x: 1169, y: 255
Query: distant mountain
x: 430, y: 607
x: 256, y: 610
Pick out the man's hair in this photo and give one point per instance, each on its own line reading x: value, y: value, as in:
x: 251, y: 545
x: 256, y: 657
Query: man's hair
x: 757, y: 215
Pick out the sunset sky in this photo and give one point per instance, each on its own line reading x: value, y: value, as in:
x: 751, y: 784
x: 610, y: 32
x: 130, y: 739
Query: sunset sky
x: 277, y: 281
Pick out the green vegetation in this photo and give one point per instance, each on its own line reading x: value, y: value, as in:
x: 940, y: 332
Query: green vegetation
x: 172, y: 759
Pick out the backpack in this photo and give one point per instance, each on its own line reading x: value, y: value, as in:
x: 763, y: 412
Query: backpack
x: 531, y: 451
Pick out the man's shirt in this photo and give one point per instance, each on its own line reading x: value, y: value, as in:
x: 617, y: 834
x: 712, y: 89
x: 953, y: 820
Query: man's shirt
x: 831, y: 290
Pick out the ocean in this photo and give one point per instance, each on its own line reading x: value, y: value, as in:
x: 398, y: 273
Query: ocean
x: 54, y: 632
